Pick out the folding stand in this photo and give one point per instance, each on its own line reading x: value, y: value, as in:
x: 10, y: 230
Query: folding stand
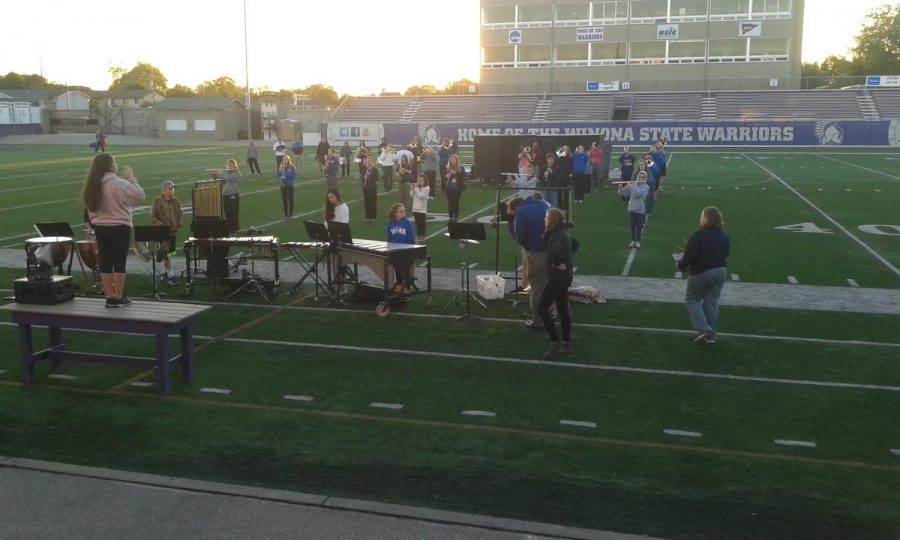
x: 155, y: 234
x: 466, y: 233
x: 319, y: 234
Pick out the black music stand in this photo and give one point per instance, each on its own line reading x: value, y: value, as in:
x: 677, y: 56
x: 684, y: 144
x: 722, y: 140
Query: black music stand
x: 465, y: 233
x: 155, y: 234
x: 339, y: 233
x: 317, y: 232
x: 59, y: 228
x: 210, y: 229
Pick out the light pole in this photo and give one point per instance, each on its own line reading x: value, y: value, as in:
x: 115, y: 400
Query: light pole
x: 247, y: 78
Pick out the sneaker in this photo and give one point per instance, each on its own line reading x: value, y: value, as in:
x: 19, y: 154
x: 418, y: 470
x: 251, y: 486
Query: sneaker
x: 566, y: 347
x: 124, y: 301
x: 702, y: 337
x: 519, y: 289
x: 112, y: 302
x: 173, y: 281
x: 527, y: 289
x: 631, y: 244
x: 637, y: 245
x: 710, y: 338
x: 533, y: 326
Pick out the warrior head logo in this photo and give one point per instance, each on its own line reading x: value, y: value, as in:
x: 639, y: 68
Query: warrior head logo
x: 829, y: 132
x: 429, y: 134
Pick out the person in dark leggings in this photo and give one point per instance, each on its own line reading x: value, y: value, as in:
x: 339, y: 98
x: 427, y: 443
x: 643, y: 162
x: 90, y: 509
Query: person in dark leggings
x: 369, y: 180
x: 287, y: 174
x: 453, y: 185
x: 560, y: 247
x: 108, y: 199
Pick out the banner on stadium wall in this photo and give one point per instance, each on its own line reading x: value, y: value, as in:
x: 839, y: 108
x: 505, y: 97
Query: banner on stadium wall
x: 762, y: 133
x: 338, y: 132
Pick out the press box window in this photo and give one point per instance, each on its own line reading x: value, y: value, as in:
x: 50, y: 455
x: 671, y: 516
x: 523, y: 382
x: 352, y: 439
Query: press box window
x: 529, y: 54
x: 608, y: 53
x: 648, y: 52
x: 688, y: 8
x: 648, y: 10
x: 572, y: 52
x: 499, y: 55
x: 725, y: 9
x: 774, y: 46
x: 498, y: 15
x: 573, y: 12
x: 733, y: 50
x: 533, y: 14
x: 687, y: 50
x: 772, y: 6
x: 609, y: 12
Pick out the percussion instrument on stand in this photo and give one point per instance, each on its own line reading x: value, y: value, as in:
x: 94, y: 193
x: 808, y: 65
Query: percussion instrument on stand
x: 88, y: 256
x: 45, y: 252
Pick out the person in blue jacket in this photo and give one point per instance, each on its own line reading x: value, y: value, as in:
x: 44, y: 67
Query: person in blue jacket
x: 582, y: 172
x: 529, y: 225
x: 400, y: 231
x: 664, y: 160
x: 287, y: 175
x: 652, y: 181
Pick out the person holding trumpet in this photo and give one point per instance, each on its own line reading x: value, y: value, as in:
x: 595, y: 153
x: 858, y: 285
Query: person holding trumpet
x: 231, y: 193
x: 636, y: 192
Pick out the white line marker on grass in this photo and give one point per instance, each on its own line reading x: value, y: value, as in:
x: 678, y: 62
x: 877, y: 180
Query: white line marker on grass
x: 215, y: 390
x: 832, y: 220
x: 678, y: 275
x: 679, y: 433
x: 628, y: 261
x: 852, y: 282
x: 577, y: 423
x: 61, y: 376
x: 292, y: 397
x: 486, y: 414
x: 860, y: 167
x: 142, y: 384
x: 805, y: 444
x: 735, y: 277
x: 895, y: 451
x: 792, y: 280
x: 378, y: 405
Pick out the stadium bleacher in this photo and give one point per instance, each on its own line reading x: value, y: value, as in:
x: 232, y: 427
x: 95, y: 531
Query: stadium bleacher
x: 850, y: 104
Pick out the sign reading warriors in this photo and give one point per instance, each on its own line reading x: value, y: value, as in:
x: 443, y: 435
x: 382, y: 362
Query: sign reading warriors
x: 593, y: 33
x: 749, y: 29
x: 666, y: 31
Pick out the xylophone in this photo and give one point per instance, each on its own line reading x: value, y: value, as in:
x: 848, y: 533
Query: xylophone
x: 216, y: 249
x: 380, y: 257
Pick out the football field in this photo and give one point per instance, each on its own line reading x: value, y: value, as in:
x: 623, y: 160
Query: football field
x: 788, y: 427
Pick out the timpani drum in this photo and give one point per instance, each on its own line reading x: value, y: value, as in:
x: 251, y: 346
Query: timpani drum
x: 87, y: 253
x: 51, y: 250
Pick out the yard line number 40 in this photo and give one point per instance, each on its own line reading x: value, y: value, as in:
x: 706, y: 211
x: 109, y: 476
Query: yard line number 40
x: 812, y: 228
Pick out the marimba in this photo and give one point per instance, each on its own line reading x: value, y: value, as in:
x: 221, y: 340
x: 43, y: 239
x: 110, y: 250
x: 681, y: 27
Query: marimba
x: 216, y: 252
x: 381, y: 257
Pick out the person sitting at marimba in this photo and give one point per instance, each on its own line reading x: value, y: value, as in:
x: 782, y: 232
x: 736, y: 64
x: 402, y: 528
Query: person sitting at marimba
x: 400, y: 231
x: 335, y: 209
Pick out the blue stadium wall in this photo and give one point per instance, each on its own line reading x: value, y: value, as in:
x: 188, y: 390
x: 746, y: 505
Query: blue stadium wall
x: 681, y: 133
x: 20, y: 129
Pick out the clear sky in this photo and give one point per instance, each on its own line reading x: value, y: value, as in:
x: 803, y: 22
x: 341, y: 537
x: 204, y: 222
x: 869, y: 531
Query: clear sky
x: 356, y: 46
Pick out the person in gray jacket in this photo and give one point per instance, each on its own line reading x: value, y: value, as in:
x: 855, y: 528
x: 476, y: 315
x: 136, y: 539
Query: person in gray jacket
x: 253, y: 158
x: 231, y: 193
x: 636, y: 193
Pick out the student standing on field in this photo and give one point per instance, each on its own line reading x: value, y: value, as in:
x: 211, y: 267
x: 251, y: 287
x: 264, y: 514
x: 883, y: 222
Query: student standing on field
x: 705, y: 256
x: 253, y: 158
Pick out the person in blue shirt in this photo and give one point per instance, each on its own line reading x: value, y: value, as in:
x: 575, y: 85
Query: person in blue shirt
x: 658, y: 155
x: 705, y: 257
x: 626, y: 163
x: 400, y: 231
x: 287, y: 175
x: 581, y: 170
x: 652, y: 179
x: 529, y: 225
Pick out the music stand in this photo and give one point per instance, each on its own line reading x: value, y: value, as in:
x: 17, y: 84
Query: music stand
x: 155, y: 234
x: 317, y: 232
x: 59, y: 228
x: 466, y: 233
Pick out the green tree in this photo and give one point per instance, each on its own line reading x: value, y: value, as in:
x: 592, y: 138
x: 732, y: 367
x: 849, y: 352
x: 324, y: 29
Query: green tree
x: 460, y: 87
x: 180, y: 90
x: 221, y: 87
x: 421, y: 90
x: 320, y: 92
x: 877, y: 50
x: 23, y: 81
x: 141, y: 77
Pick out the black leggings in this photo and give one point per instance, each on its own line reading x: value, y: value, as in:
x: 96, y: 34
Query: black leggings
x: 420, y: 223
x: 253, y: 163
x: 345, y: 167
x: 287, y: 200
x: 453, y: 196
x: 112, y: 244
x: 556, y: 292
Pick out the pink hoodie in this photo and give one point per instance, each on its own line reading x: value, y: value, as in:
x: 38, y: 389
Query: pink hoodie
x: 118, y: 197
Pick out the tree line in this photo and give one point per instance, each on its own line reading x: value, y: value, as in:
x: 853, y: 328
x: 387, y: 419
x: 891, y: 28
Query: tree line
x: 876, y: 52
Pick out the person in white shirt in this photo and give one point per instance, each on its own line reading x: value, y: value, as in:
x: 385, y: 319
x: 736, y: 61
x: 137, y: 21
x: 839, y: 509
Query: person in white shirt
x: 386, y: 160
x: 279, y: 149
x: 335, y: 209
x: 526, y: 182
x: 420, y: 192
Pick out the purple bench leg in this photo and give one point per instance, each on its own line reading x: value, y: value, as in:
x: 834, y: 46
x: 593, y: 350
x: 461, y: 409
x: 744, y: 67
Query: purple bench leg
x: 187, y: 353
x: 56, y: 344
x: 162, y: 363
x: 26, y: 352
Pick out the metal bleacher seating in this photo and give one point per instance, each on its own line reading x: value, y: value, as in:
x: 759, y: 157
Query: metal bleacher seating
x: 579, y: 107
x: 666, y: 106
x: 376, y: 109
x: 790, y: 104
x: 512, y: 108
x: 887, y: 101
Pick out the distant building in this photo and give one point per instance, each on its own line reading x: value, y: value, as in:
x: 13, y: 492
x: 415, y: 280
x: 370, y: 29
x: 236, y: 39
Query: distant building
x: 210, y: 119
x: 550, y: 46
x: 129, y: 99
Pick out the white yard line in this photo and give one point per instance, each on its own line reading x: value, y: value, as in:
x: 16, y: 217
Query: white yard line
x: 384, y: 352
x: 859, y: 167
x: 852, y: 282
x: 486, y: 414
x: 805, y: 444
x: 62, y: 377
x: 215, y: 390
x: 291, y: 397
x: 578, y: 423
x: 874, y: 253
x: 142, y: 384
x: 380, y: 405
x: 628, y: 261
x: 680, y: 433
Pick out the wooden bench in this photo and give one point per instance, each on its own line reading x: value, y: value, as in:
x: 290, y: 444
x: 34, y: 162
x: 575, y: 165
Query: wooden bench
x: 159, y: 319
